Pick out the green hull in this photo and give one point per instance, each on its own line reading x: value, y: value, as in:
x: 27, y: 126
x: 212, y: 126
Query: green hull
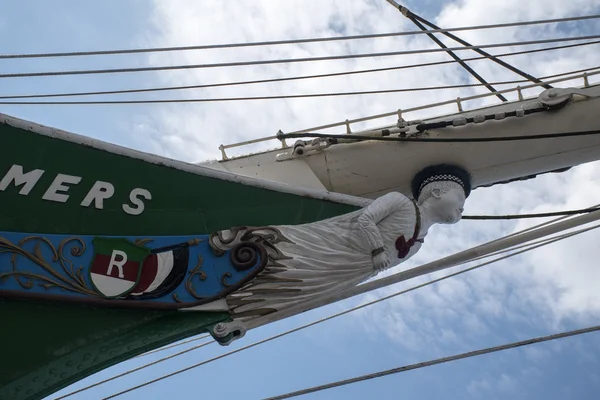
x: 49, y: 346
x: 182, y: 202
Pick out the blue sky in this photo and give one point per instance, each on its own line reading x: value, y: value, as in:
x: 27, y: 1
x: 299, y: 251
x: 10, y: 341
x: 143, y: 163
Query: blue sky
x: 529, y: 296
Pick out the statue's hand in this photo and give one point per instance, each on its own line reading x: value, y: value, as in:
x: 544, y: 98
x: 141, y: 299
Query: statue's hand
x: 381, y: 261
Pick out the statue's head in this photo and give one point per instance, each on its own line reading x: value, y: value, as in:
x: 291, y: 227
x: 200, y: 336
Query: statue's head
x: 445, y: 187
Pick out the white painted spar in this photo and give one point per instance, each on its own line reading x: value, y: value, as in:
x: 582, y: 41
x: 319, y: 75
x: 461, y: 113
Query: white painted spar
x: 371, y: 168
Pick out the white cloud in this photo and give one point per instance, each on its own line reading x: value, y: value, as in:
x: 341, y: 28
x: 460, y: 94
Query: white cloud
x: 479, y: 388
x: 507, y: 383
x: 536, y: 354
x: 541, y: 288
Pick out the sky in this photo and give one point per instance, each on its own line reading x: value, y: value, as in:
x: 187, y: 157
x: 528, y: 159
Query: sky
x: 539, y: 293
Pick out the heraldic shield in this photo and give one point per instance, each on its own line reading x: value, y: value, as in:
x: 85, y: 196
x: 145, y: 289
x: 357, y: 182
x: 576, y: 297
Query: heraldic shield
x: 116, y: 266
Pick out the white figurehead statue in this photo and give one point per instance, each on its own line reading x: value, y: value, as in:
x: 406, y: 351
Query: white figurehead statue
x: 326, y: 257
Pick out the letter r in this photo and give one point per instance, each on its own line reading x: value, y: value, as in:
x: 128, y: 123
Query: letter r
x: 117, y: 263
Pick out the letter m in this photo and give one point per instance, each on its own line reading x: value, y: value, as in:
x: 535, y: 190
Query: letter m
x: 16, y: 175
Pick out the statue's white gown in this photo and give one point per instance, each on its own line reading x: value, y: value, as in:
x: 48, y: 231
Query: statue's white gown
x: 326, y: 257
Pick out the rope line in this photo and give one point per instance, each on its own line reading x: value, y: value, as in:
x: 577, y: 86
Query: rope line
x: 252, y: 98
x: 416, y: 18
x: 135, y: 370
x: 441, y: 140
x: 295, y: 60
x: 463, y: 64
x: 523, y: 216
x: 437, y: 361
x: 255, y: 98
x: 406, y: 110
x: 532, y: 247
x: 173, y: 345
x: 292, y: 41
x: 316, y: 76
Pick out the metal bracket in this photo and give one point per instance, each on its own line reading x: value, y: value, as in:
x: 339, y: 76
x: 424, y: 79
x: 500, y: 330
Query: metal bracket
x: 306, y: 147
x: 557, y: 97
x: 227, y: 332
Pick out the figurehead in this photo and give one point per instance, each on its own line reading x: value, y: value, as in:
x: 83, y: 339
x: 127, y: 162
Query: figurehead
x: 441, y: 190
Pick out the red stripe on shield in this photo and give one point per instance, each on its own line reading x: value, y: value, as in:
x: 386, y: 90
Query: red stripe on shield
x: 149, y: 271
x: 106, y: 265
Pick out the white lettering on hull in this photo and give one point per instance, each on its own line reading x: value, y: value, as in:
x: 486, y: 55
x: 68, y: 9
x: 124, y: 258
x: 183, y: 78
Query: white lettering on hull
x: 28, y: 180
x: 134, y: 197
x: 57, y: 191
x: 58, y: 186
x: 98, y: 193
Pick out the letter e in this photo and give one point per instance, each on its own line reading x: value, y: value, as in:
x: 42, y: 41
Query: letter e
x: 58, y: 186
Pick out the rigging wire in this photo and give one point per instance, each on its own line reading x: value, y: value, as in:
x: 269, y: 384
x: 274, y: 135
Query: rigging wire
x: 437, y: 361
x: 537, y: 243
x: 294, y: 60
x: 195, y: 339
x: 531, y: 228
x: 439, y: 140
x: 463, y: 64
x: 292, y: 41
x: 248, y: 82
x: 255, y: 98
x: 532, y: 247
x: 138, y: 368
x: 524, y: 216
x: 394, y: 113
x: 274, y: 97
x: 416, y: 19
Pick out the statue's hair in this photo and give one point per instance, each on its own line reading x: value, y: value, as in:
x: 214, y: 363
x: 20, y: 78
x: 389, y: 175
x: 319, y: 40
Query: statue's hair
x: 443, y: 186
x: 441, y: 173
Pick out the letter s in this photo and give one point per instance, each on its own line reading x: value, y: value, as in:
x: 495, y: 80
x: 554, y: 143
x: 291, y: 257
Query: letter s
x: 134, y: 197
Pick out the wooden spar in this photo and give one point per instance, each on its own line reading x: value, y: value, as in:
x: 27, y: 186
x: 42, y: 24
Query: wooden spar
x: 438, y: 265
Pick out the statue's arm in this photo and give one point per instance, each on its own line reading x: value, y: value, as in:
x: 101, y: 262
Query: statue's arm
x: 378, y: 210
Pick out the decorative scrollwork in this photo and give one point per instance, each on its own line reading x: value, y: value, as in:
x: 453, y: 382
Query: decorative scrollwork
x: 76, y: 251
x: 245, y: 255
x: 73, y: 281
x: 224, y: 277
x: 222, y: 241
x: 189, y: 285
x: 142, y: 242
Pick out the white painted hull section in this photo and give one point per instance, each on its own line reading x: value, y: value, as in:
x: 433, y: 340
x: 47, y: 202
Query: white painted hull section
x: 372, y: 168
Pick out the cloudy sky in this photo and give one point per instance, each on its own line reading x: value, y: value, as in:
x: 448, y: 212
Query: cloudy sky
x: 543, y: 292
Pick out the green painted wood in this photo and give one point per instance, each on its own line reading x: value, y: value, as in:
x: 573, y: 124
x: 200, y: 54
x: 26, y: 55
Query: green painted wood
x: 46, y: 347
x: 182, y: 202
x: 49, y: 346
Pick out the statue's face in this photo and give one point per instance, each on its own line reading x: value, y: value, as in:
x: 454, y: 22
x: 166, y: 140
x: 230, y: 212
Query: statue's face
x: 449, y: 205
